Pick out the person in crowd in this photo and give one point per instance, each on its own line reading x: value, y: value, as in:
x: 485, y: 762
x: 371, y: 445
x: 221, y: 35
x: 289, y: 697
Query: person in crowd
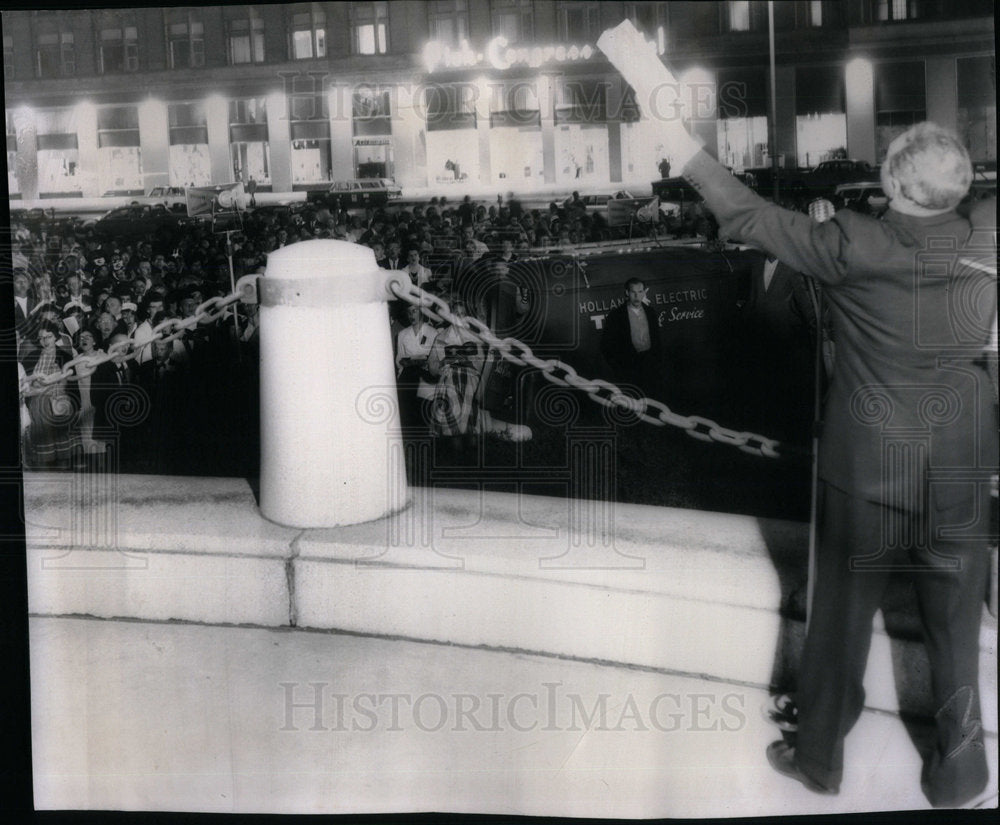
x: 118, y: 402
x: 889, y: 325
x: 418, y: 273
x: 394, y: 255
x: 778, y: 331
x: 103, y: 327
x: 24, y: 302
x: 630, y: 342
x: 455, y: 360
x: 85, y: 344
x: 468, y: 237
x: 53, y: 407
x: 414, y: 383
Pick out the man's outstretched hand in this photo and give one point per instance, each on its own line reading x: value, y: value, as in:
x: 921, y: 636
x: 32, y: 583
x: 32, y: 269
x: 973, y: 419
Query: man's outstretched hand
x: 657, y: 91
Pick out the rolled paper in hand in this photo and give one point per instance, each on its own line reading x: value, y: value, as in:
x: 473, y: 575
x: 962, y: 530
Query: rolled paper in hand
x: 821, y: 210
x: 639, y: 64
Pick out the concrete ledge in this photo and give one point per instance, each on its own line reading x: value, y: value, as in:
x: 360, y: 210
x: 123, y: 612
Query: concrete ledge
x: 708, y: 594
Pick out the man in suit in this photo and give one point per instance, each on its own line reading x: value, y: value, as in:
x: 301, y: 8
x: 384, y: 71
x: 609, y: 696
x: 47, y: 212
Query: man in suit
x: 120, y: 405
x: 778, y: 326
x: 630, y: 342
x: 910, y: 433
x: 24, y: 303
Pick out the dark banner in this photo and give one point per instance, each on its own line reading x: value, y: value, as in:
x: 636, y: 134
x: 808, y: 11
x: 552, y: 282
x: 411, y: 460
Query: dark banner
x: 693, y: 294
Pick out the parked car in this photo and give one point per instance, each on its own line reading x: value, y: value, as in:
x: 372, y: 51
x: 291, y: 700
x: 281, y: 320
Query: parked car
x: 823, y: 180
x: 866, y: 197
x: 360, y: 192
x: 139, y: 219
x: 173, y: 197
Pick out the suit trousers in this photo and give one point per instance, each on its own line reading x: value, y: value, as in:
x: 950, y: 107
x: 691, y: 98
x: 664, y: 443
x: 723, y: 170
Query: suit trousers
x: 860, y: 545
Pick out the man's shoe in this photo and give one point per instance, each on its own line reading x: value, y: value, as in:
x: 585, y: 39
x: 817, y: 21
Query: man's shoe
x: 781, y: 755
x: 782, y: 712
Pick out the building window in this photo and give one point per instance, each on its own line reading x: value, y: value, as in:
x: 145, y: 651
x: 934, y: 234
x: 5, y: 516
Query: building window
x: 513, y: 20
x: 581, y: 100
x: 248, y: 111
x: 310, y: 134
x: 186, y: 44
x: 370, y: 112
x: 308, y: 35
x: 58, y: 153
x: 190, y: 164
x: 448, y: 21
x: 739, y: 15
x: 369, y: 28
x: 815, y: 13
x: 8, y: 56
x: 579, y: 22
x: 647, y: 17
x: 56, y: 55
x: 248, y: 139
x: 977, y: 106
x: 119, y: 50
x: 246, y: 40
x: 887, y: 10
x: 900, y: 101
x: 119, y: 157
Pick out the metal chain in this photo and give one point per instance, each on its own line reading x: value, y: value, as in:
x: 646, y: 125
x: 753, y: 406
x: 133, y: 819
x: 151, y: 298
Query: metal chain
x: 169, y: 330
x: 557, y: 372
x: 601, y: 392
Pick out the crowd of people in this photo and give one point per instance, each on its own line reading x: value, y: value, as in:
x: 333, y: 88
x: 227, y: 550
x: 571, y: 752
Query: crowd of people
x: 78, y: 292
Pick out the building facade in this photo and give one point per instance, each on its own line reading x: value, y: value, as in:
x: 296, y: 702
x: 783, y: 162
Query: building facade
x: 470, y: 95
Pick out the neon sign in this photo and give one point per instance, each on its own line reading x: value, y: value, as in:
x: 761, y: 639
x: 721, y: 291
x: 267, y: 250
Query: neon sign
x: 500, y: 56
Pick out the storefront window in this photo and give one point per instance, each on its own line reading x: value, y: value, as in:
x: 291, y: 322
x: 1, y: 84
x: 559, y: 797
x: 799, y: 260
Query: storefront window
x: 58, y: 155
x: 742, y: 142
x: 820, y: 119
x: 515, y: 134
x: 251, y: 160
x: 119, y: 157
x: 977, y: 106
x: 581, y: 100
x: 190, y: 162
x: 450, y: 106
x: 310, y: 133
x: 369, y: 27
x: 248, y: 137
x: 448, y: 21
x: 582, y: 154
x: 12, y: 185
x: 372, y: 131
x: 900, y: 101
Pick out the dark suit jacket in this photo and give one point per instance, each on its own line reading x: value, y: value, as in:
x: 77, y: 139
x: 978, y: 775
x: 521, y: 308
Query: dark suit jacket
x: 781, y: 312
x: 616, y: 340
x: 115, y: 402
x: 908, y: 403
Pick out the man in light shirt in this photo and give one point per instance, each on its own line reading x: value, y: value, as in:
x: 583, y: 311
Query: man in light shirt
x: 413, y: 382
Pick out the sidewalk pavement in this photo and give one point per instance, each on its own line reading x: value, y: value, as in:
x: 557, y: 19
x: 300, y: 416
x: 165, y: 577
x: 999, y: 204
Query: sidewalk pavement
x: 139, y: 715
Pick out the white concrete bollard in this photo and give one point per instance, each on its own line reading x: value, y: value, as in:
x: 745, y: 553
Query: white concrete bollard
x: 330, y: 445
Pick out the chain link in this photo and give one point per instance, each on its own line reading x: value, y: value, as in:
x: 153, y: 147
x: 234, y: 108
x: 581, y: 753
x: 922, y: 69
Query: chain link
x: 601, y: 392
x: 169, y: 330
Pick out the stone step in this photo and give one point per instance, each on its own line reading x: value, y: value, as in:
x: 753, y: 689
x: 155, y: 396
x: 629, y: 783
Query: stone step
x: 708, y: 594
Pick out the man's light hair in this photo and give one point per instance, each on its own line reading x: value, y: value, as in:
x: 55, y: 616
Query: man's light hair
x: 931, y: 166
